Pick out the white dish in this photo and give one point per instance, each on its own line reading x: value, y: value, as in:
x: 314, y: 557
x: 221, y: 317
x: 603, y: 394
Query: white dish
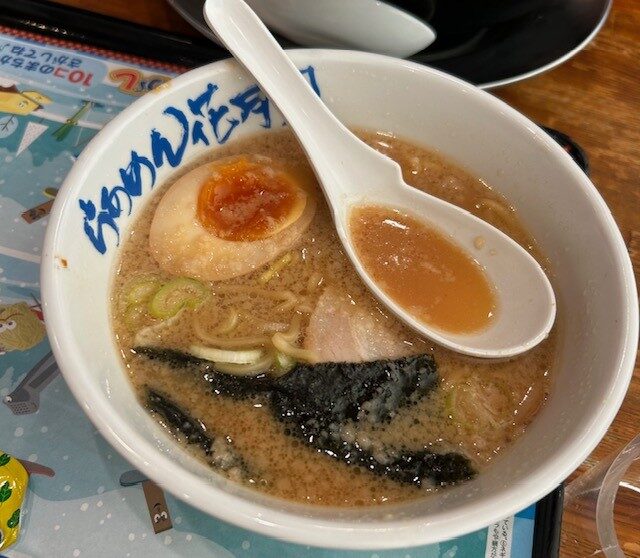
x: 369, y: 25
x: 592, y: 276
x: 492, y: 57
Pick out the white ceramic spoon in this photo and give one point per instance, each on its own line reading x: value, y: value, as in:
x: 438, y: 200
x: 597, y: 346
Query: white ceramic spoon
x: 352, y: 173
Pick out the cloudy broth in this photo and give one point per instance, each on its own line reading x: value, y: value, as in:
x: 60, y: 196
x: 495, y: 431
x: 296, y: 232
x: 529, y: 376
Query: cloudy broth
x: 477, y: 408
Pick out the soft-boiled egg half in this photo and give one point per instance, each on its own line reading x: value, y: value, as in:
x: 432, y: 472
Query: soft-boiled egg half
x: 231, y: 216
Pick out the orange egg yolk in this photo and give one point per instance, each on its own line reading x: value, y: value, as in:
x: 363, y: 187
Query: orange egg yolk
x: 246, y: 200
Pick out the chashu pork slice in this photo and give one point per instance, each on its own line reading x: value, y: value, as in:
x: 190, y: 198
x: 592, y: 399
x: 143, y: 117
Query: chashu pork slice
x: 341, y: 330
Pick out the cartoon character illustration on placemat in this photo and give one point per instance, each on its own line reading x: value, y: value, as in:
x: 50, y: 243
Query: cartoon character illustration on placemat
x: 71, y: 122
x: 21, y: 326
x: 25, y: 399
x: 42, y: 210
x: 26, y: 109
x: 15, y: 103
x: 154, y: 496
x: 21, y: 103
x: 21, y: 329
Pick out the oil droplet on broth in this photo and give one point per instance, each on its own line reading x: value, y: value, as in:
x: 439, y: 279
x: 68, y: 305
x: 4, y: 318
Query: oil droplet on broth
x: 421, y: 270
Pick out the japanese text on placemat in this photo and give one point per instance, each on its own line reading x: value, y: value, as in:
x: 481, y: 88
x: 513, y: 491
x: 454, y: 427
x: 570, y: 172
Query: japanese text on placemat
x: 45, y: 62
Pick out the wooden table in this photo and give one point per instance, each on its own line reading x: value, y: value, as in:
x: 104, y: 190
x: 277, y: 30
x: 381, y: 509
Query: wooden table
x: 595, y: 98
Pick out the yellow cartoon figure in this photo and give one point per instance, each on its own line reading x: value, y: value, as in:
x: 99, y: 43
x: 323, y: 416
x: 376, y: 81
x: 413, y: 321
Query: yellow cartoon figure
x: 22, y: 103
x: 20, y: 328
x: 13, y: 487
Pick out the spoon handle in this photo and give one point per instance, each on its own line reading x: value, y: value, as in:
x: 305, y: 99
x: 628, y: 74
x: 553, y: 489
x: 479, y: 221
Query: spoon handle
x: 337, y: 156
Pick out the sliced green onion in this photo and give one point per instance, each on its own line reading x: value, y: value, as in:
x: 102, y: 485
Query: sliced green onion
x: 284, y: 362
x: 275, y: 268
x: 176, y: 295
x: 250, y: 356
x: 450, y: 402
x: 142, y: 289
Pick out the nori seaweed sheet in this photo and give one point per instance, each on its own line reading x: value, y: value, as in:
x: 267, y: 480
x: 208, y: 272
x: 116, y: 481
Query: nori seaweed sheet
x: 334, y: 392
x: 193, y: 430
x: 314, y: 401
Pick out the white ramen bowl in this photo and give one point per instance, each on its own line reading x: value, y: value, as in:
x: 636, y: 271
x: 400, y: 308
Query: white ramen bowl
x: 558, y: 204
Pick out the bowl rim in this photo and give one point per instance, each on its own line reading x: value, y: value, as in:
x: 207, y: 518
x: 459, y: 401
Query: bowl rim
x: 265, y: 520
